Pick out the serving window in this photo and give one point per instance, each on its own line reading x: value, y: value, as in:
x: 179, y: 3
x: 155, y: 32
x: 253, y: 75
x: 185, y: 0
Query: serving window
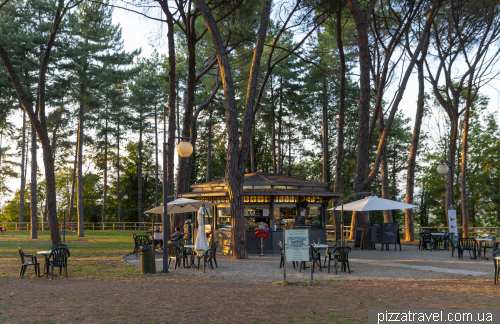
x: 256, y: 218
x: 287, y: 217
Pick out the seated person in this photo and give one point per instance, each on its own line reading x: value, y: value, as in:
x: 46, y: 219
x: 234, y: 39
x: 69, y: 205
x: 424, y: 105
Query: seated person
x: 177, y: 235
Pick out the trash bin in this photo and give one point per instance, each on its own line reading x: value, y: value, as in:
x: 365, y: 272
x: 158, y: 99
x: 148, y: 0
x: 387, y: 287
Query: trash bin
x: 148, y: 264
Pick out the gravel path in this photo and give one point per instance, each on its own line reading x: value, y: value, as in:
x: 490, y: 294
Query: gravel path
x: 410, y: 263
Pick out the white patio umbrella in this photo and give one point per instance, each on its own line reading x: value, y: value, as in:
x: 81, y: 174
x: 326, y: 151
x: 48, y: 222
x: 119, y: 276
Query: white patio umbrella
x: 201, y: 244
x: 368, y: 204
x: 181, y: 205
x: 375, y: 203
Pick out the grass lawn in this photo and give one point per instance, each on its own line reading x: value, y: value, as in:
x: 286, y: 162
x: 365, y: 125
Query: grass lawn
x: 97, y: 255
x: 102, y: 289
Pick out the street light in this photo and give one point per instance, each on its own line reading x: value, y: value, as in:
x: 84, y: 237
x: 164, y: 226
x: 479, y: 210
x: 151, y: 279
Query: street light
x: 184, y: 149
x: 443, y: 169
x: 115, y: 197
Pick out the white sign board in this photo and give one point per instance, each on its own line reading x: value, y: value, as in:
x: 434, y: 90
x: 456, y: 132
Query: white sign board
x: 297, y: 245
x: 265, y: 212
x: 452, y: 221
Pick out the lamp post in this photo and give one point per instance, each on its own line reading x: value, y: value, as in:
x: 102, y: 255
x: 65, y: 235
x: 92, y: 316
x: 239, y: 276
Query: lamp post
x: 184, y: 149
x: 117, y: 196
x: 442, y: 169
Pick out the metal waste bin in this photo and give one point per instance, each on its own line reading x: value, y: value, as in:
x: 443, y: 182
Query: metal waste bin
x: 148, y: 264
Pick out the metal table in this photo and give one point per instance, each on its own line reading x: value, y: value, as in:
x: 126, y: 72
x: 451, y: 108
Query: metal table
x: 191, y: 247
x: 481, y: 240
x: 46, y: 263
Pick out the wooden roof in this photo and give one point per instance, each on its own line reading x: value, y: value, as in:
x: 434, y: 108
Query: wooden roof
x: 262, y: 179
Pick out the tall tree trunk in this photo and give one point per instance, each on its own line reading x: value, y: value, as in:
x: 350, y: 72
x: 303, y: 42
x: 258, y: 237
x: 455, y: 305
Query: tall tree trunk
x: 119, y: 196
x: 361, y: 18
x: 273, y: 128
x: 280, y: 120
x: 340, y: 128
x: 289, y: 149
x: 384, y: 172
x: 79, y: 199
x: 168, y: 185
x: 33, y: 189
x: 73, y: 182
x: 325, y: 131
x: 252, y: 153
x: 156, y: 163
x: 105, y: 188
x: 45, y: 213
x: 237, y: 154
x: 23, y: 175
x: 139, y: 174
x: 209, y: 146
x: 410, y: 174
x: 450, y: 177
x: 185, y: 164
x: 463, y: 174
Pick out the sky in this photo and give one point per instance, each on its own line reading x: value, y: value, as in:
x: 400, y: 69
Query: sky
x: 149, y: 35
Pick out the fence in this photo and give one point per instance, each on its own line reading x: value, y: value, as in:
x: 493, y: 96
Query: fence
x: 474, y: 232
x: 135, y: 226
x: 131, y: 226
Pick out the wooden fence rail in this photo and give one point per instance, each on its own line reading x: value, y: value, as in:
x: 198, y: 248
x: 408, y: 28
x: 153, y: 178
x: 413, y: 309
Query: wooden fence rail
x: 26, y: 226
x: 136, y: 226
x: 473, y: 231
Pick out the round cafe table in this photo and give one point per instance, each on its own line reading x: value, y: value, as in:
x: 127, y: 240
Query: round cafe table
x: 481, y: 240
x: 191, y: 247
x: 46, y: 263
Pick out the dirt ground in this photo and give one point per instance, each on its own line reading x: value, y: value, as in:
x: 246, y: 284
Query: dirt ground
x: 176, y: 298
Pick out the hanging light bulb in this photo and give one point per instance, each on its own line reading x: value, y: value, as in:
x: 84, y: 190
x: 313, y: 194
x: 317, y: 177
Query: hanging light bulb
x: 185, y: 149
x: 442, y: 168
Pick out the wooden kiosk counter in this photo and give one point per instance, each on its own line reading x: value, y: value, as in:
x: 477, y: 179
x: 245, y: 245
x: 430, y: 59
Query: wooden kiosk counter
x: 271, y: 201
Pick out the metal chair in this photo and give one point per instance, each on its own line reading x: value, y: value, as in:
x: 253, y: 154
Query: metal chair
x: 59, y: 246
x: 174, y: 253
x: 25, y: 264
x: 496, y: 262
x: 138, y: 241
x: 315, y: 258
x: 210, y: 255
x: 467, y: 244
x: 342, y: 256
x: 455, y: 244
x: 59, y: 258
x: 282, y: 252
x: 443, y: 242
x: 491, y: 246
x: 330, y: 251
x: 427, y: 239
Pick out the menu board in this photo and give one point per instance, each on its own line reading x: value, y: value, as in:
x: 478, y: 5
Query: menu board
x: 297, y: 245
x: 452, y: 216
x: 300, y: 221
x: 390, y: 233
x: 358, y: 238
x: 385, y: 233
x: 376, y: 233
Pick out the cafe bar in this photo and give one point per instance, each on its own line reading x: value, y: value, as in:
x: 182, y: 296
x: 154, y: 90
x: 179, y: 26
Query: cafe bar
x: 272, y: 202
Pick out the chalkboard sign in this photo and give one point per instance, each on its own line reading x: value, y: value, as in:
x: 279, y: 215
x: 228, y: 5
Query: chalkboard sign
x: 385, y: 233
x: 300, y: 221
x: 390, y: 233
x: 359, y: 238
x: 376, y: 233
